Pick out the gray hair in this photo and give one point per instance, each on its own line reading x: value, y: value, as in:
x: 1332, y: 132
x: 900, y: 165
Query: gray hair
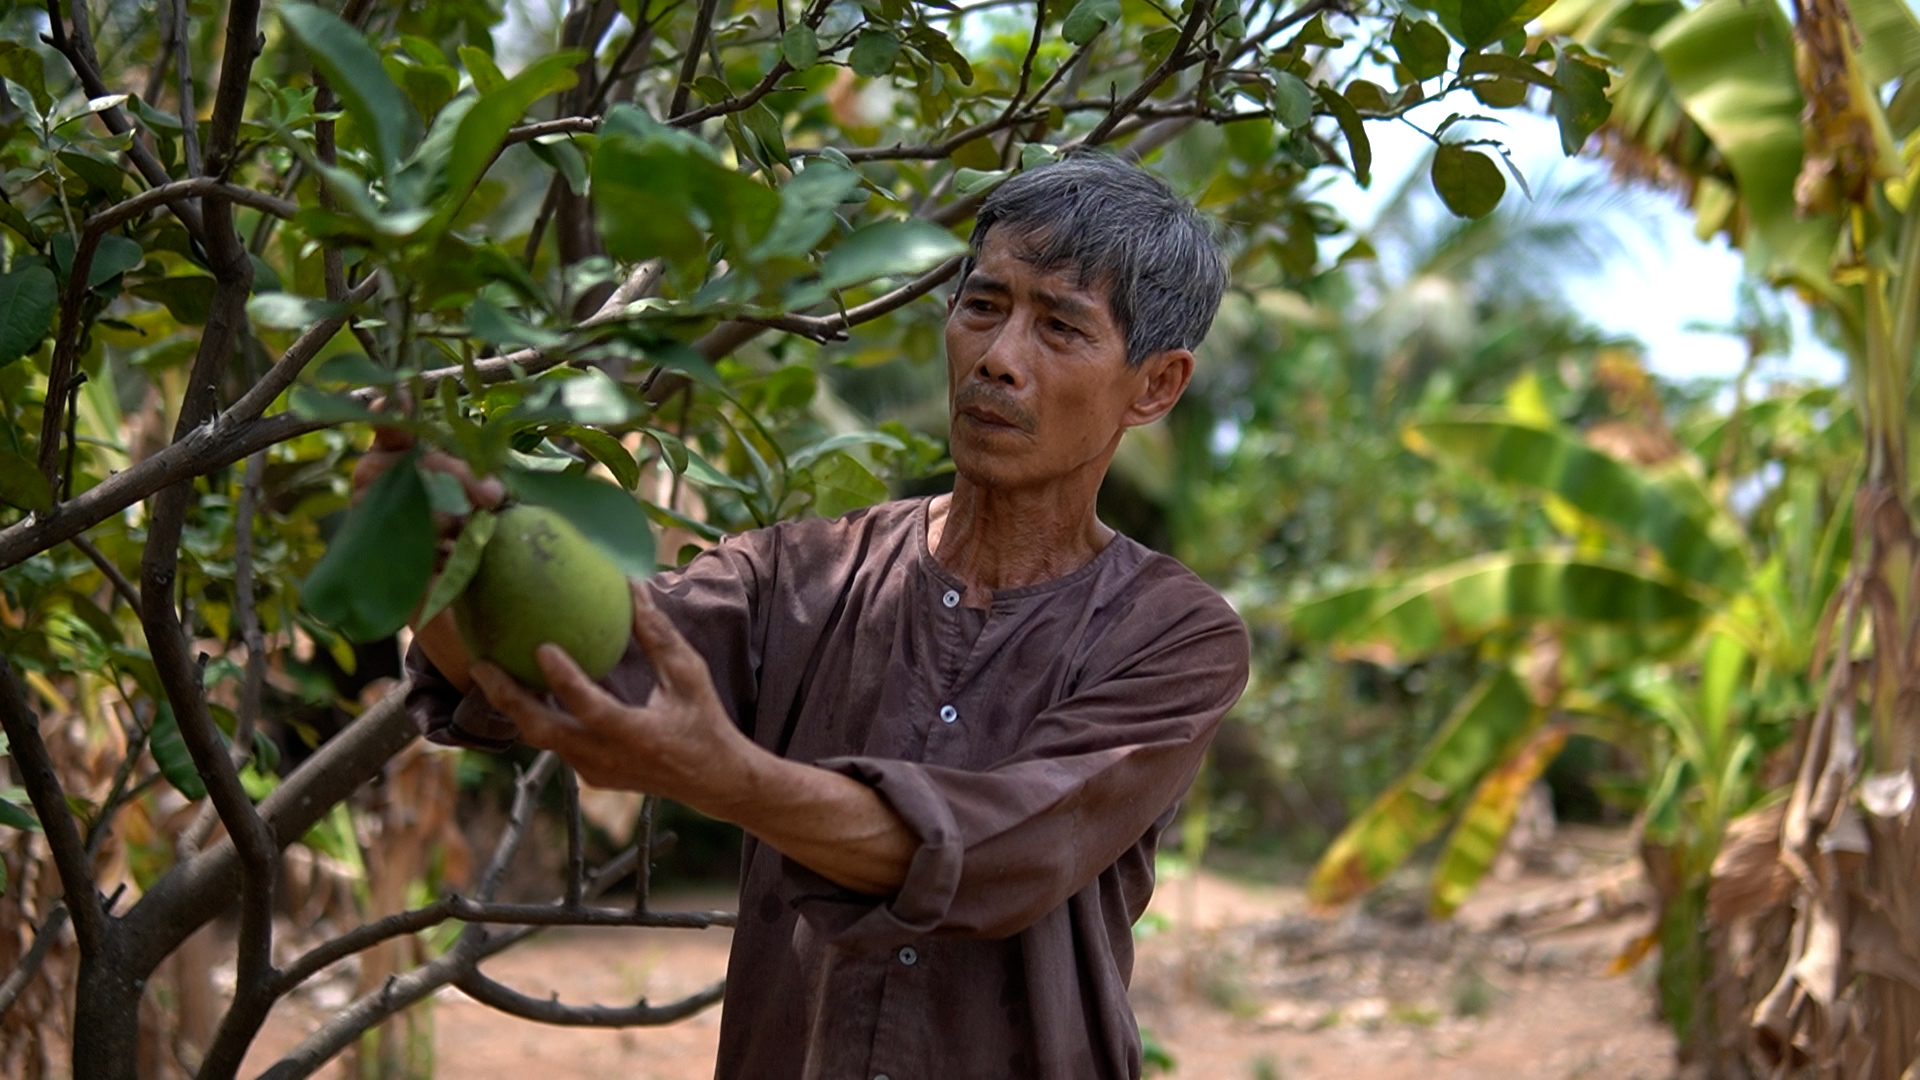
x: 1115, y: 226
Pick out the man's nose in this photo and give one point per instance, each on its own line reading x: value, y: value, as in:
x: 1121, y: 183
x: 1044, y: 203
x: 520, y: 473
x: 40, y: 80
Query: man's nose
x: 1003, y: 361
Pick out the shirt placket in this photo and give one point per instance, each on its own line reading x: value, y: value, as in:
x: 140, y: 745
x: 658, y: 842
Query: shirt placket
x: 903, y: 997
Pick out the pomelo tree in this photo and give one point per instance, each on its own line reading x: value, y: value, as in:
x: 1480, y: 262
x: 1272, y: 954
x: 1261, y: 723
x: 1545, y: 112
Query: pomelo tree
x: 607, y: 259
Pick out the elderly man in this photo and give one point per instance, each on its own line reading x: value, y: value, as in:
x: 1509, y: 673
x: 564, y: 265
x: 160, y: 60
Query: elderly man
x: 952, y: 728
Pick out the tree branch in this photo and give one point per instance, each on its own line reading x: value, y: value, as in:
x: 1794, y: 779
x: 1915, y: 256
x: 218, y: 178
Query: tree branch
x: 195, y: 891
x: 640, y: 1014
x: 22, y: 975
x: 49, y: 800
x: 256, y: 642
x: 690, y: 63
x: 61, y: 374
x: 1175, y: 60
x: 825, y: 328
x: 77, y: 47
x: 121, y: 586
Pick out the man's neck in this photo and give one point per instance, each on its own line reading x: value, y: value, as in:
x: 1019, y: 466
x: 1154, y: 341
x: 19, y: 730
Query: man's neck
x: 998, y: 539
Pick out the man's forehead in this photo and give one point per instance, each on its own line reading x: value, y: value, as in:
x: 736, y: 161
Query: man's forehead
x: 1003, y: 260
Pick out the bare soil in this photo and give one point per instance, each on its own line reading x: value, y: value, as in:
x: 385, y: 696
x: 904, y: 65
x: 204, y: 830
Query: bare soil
x: 1235, y: 979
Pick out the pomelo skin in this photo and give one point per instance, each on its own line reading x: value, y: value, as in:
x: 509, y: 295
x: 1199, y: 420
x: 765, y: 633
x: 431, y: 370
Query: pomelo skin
x: 540, y: 580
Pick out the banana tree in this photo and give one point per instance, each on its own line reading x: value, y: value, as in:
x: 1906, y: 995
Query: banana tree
x: 1665, y: 623
x: 1795, y: 136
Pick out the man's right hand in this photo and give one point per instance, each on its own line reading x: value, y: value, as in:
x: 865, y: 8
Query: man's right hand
x: 438, y: 638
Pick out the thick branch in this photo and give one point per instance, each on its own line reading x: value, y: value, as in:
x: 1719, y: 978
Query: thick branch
x: 514, y: 1003
x: 193, y: 892
x: 29, y: 753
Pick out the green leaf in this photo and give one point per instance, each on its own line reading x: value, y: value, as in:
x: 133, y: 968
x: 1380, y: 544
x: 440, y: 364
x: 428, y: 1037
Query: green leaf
x: 560, y: 152
x: 1353, y: 128
x: 1731, y: 67
x: 484, y: 127
x: 313, y: 404
x: 1421, y: 47
x: 886, y: 248
x: 1292, y: 100
x: 657, y: 191
x: 378, y: 565
x: 1088, y: 18
x: 764, y: 126
x: 671, y: 448
x: 461, y: 564
x: 807, y: 205
x: 1482, y: 829
x: 507, y: 330
x: 28, y: 298
x: 874, y: 53
x: 1616, y: 494
x: 800, y: 46
x: 378, y: 108
x: 1467, y: 180
x: 1465, y: 601
x: 1418, y: 804
x: 1580, y: 102
x: 701, y: 472
x: 612, y: 519
x: 285, y: 311
x: 1476, y: 24
x: 807, y: 455
x: 841, y: 484
x: 115, y: 256
x: 19, y: 817
x: 22, y: 485
x: 169, y: 751
x: 937, y: 47
x: 975, y: 181
x: 187, y: 297
x: 607, y: 450
x: 486, y: 74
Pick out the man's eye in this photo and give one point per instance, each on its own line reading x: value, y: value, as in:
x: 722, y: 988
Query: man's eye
x: 1059, y: 327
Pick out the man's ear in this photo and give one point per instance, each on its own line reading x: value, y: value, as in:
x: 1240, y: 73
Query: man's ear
x: 1164, y: 377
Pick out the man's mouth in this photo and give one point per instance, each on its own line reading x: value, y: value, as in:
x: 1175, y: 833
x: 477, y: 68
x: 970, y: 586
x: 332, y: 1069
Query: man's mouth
x: 990, y: 416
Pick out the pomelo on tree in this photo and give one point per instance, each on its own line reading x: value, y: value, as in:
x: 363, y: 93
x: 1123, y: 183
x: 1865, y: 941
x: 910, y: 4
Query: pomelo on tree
x: 540, y: 580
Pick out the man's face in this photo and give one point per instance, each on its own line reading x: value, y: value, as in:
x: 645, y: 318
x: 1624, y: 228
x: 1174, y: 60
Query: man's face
x: 1038, y: 384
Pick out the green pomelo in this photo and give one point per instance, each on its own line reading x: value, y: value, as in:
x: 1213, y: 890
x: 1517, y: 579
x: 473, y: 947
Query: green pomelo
x: 540, y: 580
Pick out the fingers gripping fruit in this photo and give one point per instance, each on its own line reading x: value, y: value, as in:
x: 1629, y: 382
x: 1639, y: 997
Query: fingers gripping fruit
x: 539, y: 580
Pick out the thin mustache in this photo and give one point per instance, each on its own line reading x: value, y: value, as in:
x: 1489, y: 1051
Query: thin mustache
x: 986, y: 397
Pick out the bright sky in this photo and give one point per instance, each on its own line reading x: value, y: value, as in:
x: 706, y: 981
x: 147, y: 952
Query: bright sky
x: 1664, y: 286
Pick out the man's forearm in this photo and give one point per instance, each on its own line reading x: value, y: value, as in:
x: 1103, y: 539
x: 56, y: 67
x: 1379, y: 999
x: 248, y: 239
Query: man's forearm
x: 831, y: 824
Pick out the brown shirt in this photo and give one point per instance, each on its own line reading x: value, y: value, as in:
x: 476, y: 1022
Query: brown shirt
x: 1037, y: 749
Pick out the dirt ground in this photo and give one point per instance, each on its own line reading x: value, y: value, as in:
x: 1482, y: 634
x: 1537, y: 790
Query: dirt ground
x: 1235, y: 979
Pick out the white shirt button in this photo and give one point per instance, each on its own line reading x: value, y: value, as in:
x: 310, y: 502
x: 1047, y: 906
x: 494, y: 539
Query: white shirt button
x: 952, y: 599
x: 908, y: 956
x: 948, y: 714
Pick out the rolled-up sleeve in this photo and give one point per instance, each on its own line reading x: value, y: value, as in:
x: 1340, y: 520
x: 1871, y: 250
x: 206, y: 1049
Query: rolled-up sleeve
x: 714, y: 601
x: 1000, y: 848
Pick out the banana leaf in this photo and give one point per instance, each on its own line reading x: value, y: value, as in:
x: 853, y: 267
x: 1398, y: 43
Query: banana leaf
x: 1659, y: 511
x: 1411, y: 812
x: 1483, y: 826
x: 1468, y: 600
x: 1730, y: 63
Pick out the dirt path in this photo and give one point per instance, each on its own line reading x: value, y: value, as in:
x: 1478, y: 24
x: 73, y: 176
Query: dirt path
x: 1233, y: 980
